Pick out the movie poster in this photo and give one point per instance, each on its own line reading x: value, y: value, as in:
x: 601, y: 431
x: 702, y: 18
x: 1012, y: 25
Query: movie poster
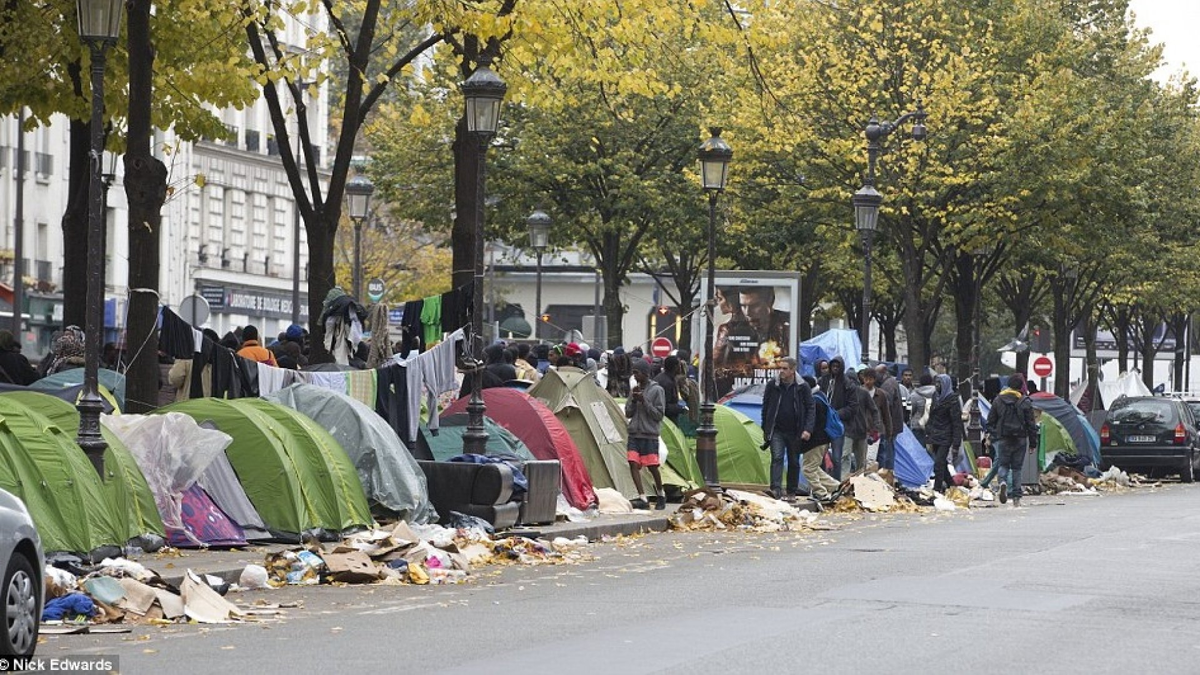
x: 754, y: 325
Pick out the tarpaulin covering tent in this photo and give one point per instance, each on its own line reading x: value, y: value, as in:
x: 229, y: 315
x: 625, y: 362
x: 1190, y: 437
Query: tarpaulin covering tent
x: 111, y: 380
x: 293, y: 471
x: 389, y: 475
x: 124, y: 484
x: 535, y: 424
x: 809, y: 355
x: 595, y: 422
x: 914, y: 465
x: 42, y: 465
x: 740, y: 458
x: 1087, y: 441
x: 838, y: 342
x: 448, y: 442
x: 1108, y: 390
x: 747, y: 400
x: 172, y: 451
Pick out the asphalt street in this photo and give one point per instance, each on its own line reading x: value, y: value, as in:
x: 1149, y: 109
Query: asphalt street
x: 1071, y: 585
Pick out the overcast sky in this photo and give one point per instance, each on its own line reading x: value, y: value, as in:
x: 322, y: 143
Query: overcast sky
x: 1174, y: 24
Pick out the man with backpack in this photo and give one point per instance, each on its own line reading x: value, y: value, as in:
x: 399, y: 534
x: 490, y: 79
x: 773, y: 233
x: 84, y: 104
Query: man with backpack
x: 826, y: 427
x: 788, y: 419
x: 840, y: 388
x: 1013, y: 431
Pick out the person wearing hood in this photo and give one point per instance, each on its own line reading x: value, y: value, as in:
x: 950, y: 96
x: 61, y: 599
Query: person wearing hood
x: 895, y: 417
x: 944, y: 430
x: 645, y: 409
x: 839, y: 389
x: 14, y: 367
x: 1013, y: 430
x: 864, y: 423
x: 788, y: 415
x: 921, y: 401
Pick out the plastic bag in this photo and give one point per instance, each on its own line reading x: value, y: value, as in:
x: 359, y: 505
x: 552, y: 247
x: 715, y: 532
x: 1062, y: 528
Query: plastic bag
x: 253, y: 577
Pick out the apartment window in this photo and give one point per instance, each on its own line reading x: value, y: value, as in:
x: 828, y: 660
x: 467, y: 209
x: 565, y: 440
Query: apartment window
x: 23, y: 160
x: 252, y: 140
x: 272, y: 146
x: 43, y: 163
x: 44, y: 270
x: 231, y: 135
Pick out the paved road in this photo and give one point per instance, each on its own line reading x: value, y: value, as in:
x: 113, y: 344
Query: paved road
x: 1073, y: 586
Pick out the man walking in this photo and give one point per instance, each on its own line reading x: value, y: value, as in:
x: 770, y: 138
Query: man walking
x: 667, y: 380
x: 822, y: 485
x: 645, y: 409
x: 1013, y: 431
x: 839, y: 389
x: 788, y: 418
x: 886, y: 455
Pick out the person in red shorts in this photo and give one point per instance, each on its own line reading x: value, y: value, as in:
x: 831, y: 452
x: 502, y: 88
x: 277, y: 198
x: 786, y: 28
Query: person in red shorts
x: 645, y: 407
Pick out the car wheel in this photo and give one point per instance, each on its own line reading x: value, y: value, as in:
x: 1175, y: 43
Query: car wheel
x: 1188, y: 474
x: 18, y: 608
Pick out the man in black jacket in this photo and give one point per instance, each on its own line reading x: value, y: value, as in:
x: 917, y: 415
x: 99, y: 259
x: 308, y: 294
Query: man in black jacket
x: 1013, y: 430
x: 666, y: 380
x: 895, y: 417
x: 788, y: 416
x: 839, y: 389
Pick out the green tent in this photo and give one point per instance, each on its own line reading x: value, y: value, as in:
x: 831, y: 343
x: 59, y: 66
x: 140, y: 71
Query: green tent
x: 681, y: 468
x: 42, y: 465
x: 1053, y: 438
x: 594, y: 421
x: 124, y: 483
x: 295, y: 474
x: 740, y: 458
x: 448, y: 442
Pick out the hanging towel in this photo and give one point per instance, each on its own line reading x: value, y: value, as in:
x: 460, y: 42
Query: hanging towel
x: 360, y: 385
x: 270, y: 378
x: 335, y: 381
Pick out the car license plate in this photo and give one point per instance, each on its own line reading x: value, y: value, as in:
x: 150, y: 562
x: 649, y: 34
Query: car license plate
x: 1141, y: 439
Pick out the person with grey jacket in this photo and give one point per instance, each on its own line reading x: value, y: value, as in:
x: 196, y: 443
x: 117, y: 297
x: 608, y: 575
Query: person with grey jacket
x: 920, y: 400
x: 645, y: 409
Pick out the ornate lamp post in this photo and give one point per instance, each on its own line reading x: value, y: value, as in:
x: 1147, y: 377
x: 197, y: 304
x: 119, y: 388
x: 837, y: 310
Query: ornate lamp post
x: 539, y: 238
x: 358, y: 195
x: 483, y: 92
x: 99, y: 27
x: 715, y: 155
x: 866, y: 205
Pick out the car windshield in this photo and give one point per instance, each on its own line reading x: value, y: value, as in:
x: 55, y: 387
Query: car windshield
x: 1143, y: 410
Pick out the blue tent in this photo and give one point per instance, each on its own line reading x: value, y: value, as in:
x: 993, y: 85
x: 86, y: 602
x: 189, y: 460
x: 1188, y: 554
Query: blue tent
x: 747, y: 400
x: 914, y: 466
x: 837, y: 342
x: 65, y: 379
x: 809, y: 355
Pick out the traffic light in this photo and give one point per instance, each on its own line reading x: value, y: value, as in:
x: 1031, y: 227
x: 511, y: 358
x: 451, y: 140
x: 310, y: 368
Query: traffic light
x: 663, y: 310
x: 1040, y: 341
x: 545, y: 318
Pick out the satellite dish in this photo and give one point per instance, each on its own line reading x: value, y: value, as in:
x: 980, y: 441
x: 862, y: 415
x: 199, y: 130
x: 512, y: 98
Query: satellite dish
x: 194, y: 310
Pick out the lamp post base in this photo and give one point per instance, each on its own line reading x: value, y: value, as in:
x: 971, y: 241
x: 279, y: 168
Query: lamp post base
x: 706, y: 445
x: 89, y: 438
x: 475, y: 437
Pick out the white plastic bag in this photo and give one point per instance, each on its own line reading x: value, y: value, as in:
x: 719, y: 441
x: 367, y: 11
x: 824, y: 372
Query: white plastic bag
x: 253, y: 577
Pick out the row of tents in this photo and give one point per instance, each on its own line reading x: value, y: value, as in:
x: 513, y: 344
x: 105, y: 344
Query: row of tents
x: 222, y: 472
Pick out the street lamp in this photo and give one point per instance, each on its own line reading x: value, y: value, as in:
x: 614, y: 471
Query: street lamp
x: 980, y: 254
x: 99, y: 27
x: 483, y: 93
x: 715, y: 155
x: 539, y: 239
x: 867, y: 201
x: 358, y: 195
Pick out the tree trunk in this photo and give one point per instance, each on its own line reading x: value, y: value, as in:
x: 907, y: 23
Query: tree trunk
x: 914, y: 320
x: 1093, y: 363
x: 1179, y: 321
x: 75, y: 217
x: 1121, y: 320
x: 614, y: 309
x: 146, y: 190
x: 810, y: 299
x: 964, y: 292
x: 1062, y: 339
x: 322, y: 277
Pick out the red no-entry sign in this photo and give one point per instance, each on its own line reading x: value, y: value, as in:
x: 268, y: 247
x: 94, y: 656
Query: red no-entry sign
x: 660, y: 347
x: 1043, y: 366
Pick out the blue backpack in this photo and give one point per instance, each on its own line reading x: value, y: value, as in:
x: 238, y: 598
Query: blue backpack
x: 834, y: 428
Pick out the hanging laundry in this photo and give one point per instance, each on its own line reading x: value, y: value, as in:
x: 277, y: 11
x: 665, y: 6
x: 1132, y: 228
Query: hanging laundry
x: 360, y: 385
x: 431, y: 319
x: 410, y: 325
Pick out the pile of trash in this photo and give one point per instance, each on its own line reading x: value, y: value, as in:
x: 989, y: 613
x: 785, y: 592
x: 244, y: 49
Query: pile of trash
x: 709, y: 509
x: 409, y: 554
x: 121, y: 591
x: 1062, y: 480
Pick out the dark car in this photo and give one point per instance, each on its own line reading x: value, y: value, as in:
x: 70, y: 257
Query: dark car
x: 1151, y: 434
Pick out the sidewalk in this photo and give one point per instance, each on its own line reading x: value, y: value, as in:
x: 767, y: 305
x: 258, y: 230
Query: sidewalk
x: 228, y: 564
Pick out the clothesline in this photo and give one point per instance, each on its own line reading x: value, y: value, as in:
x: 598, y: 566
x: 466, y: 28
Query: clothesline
x: 383, y: 388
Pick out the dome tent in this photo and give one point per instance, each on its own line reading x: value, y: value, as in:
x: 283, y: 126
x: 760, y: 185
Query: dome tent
x: 296, y: 475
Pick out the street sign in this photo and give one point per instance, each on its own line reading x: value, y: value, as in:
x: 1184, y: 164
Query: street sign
x: 375, y: 289
x: 194, y: 309
x: 1043, y: 366
x: 661, y: 347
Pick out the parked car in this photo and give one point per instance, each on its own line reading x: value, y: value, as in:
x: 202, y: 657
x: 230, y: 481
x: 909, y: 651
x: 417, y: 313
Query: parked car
x: 1151, y: 434
x: 21, y: 594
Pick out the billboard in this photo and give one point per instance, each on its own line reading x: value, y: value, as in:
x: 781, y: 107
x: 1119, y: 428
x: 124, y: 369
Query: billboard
x: 1106, y: 343
x: 754, y: 326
